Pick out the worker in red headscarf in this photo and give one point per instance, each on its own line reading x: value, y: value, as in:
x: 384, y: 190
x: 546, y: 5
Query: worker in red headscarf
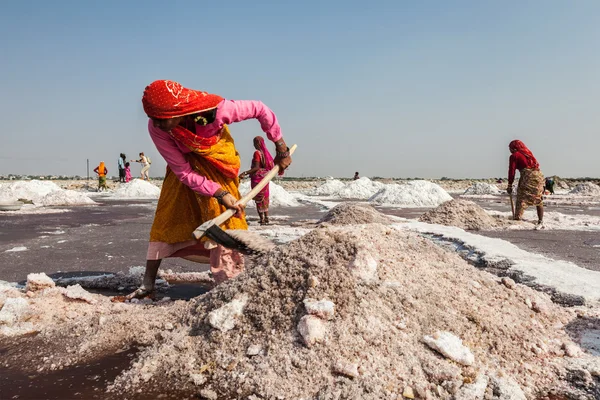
x: 531, y: 180
x: 190, y: 129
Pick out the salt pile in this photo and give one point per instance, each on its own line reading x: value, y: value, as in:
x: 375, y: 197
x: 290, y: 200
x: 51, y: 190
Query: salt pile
x: 42, y: 193
x: 360, y: 189
x: 345, y: 312
x: 412, y: 194
x: 353, y: 213
x: 586, y: 189
x: 278, y: 196
x: 374, y: 339
x: 481, y: 188
x: 329, y: 188
x: 462, y: 214
x: 65, y: 198
x: 138, y: 189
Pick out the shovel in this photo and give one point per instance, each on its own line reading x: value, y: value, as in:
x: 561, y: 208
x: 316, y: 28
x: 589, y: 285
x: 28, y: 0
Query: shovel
x: 212, y: 230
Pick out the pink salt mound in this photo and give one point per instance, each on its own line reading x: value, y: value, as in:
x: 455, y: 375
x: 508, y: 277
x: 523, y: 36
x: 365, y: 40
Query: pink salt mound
x: 463, y: 214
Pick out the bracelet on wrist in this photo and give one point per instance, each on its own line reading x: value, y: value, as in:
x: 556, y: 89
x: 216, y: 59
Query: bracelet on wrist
x: 220, y: 196
x: 283, y: 154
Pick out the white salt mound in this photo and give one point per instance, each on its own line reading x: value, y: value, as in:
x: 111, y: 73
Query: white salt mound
x: 481, y: 188
x: 138, y: 189
x: 586, y: 189
x: 42, y: 193
x: 360, y: 189
x: 65, y: 198
x: 329, y: 188
x: 412, y: 194
x: 278, y: 196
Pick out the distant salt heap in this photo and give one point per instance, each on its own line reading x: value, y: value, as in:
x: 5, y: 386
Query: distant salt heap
x: 353, y: 213
x: 278, y: 195
x: 462, y: 214
x: 329, y: 188
x: 138, y: 189
x: 481, y: 188
x: 586, y: 189
x: 360, y: 189
x: 411, y: 194
x: 42, y: 193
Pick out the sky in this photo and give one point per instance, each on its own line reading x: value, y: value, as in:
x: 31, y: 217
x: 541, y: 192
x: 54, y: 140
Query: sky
x: 424, y: 89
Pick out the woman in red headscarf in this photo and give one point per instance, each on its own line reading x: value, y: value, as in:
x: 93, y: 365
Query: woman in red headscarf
x: 262, y: 163
x: 531, y: 180
x: 190, y: 130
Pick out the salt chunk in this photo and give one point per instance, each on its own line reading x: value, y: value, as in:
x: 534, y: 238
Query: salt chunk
x: 506, y: 388
x: 76, y: 292
x: 509, y: 283
x: 323, y: 308
x: 39, y: 281
x: 346, y: 368
x: 364, y: 266
x: 208, y: 394
x: 572, y: 350
x: 254, y: 350
x: 312, y: 329
x: 475, y: 390
x: 225, y: 317
x: 14, y: 310
x: 408, y: 393
x: 540, y: 307
x: 198, y: 379
x: 450, y: 346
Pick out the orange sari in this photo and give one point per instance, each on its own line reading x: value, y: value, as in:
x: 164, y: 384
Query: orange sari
x: 180, y: 210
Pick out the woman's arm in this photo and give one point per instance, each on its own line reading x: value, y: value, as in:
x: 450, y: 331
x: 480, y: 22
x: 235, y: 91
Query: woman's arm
x: 231, y: 111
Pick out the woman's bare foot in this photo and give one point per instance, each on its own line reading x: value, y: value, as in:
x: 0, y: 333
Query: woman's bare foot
x: 139, y: 293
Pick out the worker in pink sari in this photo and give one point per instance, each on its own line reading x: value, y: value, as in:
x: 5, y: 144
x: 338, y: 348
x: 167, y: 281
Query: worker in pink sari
x: 262, y: 163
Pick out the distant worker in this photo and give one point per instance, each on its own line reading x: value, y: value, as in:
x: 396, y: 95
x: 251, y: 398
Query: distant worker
x: 262, y: 163
x: 127, y: 173
x: 531, y: 180
x: 356, y: 176
x: 121, y: 163
x: 550, y: 185
x: 145, y: 161
x: 101, y: 171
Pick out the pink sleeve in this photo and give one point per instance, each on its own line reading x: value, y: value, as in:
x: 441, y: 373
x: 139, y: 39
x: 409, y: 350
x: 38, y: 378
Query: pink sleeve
x: 176, y: 160
x: 231, y: 111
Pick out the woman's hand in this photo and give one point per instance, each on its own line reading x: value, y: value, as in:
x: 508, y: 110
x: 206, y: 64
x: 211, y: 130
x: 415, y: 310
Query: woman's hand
x: 283, y: 163
x: 229, y: 201
x: 243, y: 174
x: 509, y: 189
x: 283, y: 158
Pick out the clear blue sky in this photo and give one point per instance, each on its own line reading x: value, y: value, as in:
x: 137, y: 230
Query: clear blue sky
x: 387, y: 88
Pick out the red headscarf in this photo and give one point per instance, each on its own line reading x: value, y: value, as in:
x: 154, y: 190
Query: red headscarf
x: 519, y: 146
x: 168, y: 99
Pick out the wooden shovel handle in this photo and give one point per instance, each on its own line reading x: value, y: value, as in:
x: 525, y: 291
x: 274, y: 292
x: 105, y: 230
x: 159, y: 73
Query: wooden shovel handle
x: 251, y: 194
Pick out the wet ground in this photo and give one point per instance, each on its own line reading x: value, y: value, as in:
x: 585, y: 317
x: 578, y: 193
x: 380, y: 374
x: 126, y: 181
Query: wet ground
x: 110, y: 237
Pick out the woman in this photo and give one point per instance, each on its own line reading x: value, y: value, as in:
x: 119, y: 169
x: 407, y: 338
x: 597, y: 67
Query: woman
x: 262, y: 163
x: 190, y: 130
x: 145, y: 161
x: 101, y: 171
x: 531, y: 181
